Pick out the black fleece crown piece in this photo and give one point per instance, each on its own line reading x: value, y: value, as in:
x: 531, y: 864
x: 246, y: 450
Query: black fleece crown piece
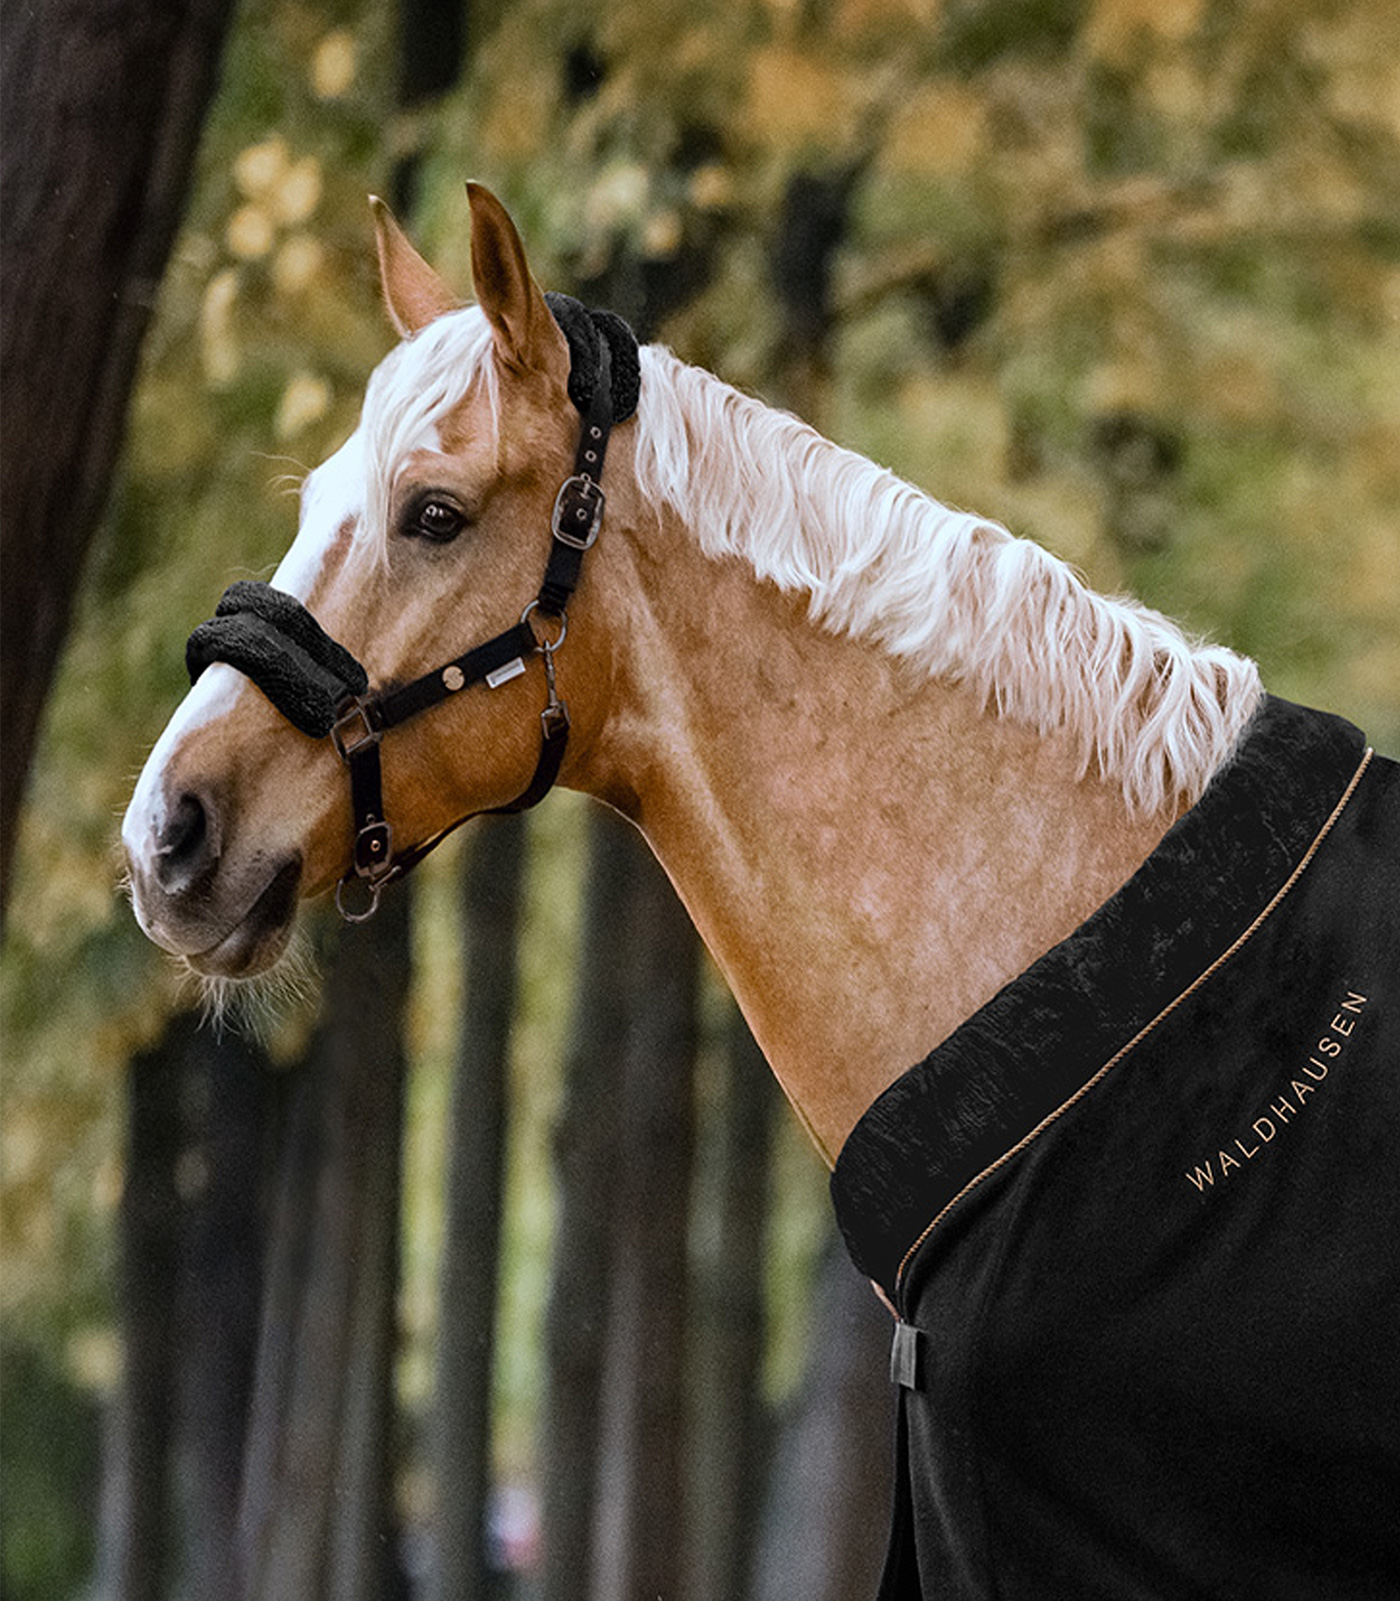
x: 586, y: 330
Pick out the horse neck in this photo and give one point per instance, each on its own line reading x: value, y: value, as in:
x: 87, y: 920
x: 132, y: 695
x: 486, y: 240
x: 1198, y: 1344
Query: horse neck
x: 868, y: 854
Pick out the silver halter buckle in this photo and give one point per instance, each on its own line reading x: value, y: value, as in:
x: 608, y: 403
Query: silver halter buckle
x: 578, y: 512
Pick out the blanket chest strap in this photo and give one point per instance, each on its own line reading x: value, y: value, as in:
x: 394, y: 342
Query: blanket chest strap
x: 906, y: 1357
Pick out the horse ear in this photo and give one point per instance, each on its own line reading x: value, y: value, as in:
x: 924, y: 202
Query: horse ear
x: 527, y: 335
x: 413, y: 292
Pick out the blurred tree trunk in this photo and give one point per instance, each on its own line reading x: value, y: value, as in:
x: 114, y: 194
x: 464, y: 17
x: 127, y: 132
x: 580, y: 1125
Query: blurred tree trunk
x: 829, y: 1501
x: 138, y: 1546
x: 587, y: 1149
x: 812, y: 225
x: 642, y: 1526
x: 192, y: 1226
x: 432, y: 47
x: 462, y: 1410
x: 315, y: 1521
x: 432, y: 54
x: 101, y: 103
x: 230, y: 1091
x: 731, y: 1427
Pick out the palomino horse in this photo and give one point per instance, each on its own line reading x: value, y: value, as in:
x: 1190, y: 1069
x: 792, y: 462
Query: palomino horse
x: 922, y: 792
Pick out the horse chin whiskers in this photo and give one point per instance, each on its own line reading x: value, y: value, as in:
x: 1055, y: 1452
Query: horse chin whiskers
x: 260, y: 1005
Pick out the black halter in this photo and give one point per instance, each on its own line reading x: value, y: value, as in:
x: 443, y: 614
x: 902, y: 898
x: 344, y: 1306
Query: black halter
x: 321, y: 689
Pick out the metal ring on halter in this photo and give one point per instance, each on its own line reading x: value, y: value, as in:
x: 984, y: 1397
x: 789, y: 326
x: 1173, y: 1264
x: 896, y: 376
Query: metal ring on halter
x: 373, y: 885
x: 547, y: 646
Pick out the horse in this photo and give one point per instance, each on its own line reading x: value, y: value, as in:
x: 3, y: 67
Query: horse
x: 931, y: 800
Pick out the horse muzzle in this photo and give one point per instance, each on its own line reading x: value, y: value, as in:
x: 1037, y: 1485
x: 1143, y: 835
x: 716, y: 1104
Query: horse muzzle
x: 227, y: 915
x: 235, y: 931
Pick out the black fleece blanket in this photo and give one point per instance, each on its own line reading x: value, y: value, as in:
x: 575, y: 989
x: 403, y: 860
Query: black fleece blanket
x: 1140, y: 1217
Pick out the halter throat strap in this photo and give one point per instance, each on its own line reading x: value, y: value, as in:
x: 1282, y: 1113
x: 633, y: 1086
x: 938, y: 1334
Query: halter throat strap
x: 323, y: 691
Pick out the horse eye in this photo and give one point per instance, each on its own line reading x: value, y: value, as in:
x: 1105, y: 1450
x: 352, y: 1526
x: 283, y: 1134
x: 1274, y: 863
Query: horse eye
x: 436, y: 520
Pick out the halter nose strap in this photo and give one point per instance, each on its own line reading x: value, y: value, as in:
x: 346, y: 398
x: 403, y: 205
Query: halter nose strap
x: 272, y: 638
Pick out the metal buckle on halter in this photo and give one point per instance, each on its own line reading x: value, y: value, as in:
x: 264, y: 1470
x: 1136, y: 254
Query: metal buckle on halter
x: 356, y: 712
x: 578, y: 512
x: 373, y: 865
x: 374, y: 850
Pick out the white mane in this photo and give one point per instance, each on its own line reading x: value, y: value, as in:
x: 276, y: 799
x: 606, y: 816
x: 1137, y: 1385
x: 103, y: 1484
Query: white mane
x: 954, y: 594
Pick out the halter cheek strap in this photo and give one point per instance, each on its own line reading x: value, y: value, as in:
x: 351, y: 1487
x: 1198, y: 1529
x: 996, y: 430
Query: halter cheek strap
x: 322, y: 690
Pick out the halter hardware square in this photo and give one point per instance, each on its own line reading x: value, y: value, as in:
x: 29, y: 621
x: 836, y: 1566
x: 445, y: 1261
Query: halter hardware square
x: 346, y: 746
x: 578, y: 512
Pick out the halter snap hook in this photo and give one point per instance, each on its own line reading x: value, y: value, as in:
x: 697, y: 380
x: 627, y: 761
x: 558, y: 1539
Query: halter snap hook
x: 554, y: 719
x: 373, y: 887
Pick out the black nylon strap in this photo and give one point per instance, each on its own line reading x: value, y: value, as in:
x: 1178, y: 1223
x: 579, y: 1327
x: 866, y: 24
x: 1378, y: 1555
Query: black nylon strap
x: 578, y: 511
x: 392, y: 707
x: 554, y: 742
x: 374, y: 839
x: 561, y: 574
x: 373, y: 852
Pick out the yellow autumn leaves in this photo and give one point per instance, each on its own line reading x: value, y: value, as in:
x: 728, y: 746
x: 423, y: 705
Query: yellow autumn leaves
x: 278, y: 193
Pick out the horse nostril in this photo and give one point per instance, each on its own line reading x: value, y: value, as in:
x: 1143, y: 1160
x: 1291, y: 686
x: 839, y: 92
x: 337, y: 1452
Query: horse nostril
x: 187, y: 847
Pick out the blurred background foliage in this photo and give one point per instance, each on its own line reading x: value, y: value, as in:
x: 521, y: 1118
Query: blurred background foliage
x: 1123, y: 274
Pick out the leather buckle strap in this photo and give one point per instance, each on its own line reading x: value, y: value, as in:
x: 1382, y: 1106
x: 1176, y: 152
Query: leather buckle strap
x: 578, y: 508
x: 356, y: 736
x: 374, y: 850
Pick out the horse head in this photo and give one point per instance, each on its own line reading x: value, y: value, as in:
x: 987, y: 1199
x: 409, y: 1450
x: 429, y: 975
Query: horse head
x: 429, y: 527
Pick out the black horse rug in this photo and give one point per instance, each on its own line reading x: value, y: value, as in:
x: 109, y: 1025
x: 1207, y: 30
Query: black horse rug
x: 1140, y: 1219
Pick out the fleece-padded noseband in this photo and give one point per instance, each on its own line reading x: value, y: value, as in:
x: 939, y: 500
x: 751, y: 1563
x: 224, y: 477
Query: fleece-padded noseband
x: 272, y: 638
x: 320, y: 688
